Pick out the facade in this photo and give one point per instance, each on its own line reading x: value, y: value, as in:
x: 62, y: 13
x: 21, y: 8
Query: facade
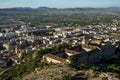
x: 92, y: 54
x: 54, y: 59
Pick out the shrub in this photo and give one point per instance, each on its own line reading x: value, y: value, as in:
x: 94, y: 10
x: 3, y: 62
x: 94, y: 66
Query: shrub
x: 104, y: 78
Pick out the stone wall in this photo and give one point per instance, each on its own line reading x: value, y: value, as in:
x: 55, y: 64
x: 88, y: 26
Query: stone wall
x: 108, y: 51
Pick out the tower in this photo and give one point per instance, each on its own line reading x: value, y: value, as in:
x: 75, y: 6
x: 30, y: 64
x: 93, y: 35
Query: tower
x: 18, y: 52
x: 83, y: 39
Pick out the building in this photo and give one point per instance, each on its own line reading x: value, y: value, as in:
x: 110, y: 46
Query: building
x: 91, y: 54
x: 18, y: 52
x: 54, y: 59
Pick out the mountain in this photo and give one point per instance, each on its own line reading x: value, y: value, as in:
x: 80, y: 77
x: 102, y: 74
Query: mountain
x: 18, y: 9
x: 94, y: 9
x: 45, y: 9
x: 114, y: 8
x: 64, y: 9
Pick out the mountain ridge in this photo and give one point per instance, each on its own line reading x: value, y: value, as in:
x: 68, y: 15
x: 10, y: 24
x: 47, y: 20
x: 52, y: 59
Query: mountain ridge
x: 61, y: 9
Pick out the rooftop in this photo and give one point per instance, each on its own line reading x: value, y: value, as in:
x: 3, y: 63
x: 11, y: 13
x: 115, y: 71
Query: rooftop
x: 55, y: 57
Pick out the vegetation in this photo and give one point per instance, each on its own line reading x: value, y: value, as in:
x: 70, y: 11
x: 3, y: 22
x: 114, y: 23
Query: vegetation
x: 105, y: 78
x: 18, y: 71
x: 73, y: 60
x: 57, y: 19
x: 80, y: 74
x: 110, y: 68
x: 114, y: 68
x: 67, y: 77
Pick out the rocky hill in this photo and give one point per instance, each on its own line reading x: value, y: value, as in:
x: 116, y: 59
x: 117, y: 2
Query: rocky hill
x: 63, y: 72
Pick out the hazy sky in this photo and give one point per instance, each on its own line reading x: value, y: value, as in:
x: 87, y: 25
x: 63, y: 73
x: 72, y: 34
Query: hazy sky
x: 58, y: 3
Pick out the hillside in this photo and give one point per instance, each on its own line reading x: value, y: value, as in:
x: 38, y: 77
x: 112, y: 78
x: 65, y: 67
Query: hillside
x: 63, y: 72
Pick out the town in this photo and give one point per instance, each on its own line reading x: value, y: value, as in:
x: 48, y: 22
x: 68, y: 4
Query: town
x: 89, y: 44
x: 59, y: 40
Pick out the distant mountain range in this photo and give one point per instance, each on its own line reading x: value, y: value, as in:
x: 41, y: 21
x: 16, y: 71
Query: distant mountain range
x: 63, y: 9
